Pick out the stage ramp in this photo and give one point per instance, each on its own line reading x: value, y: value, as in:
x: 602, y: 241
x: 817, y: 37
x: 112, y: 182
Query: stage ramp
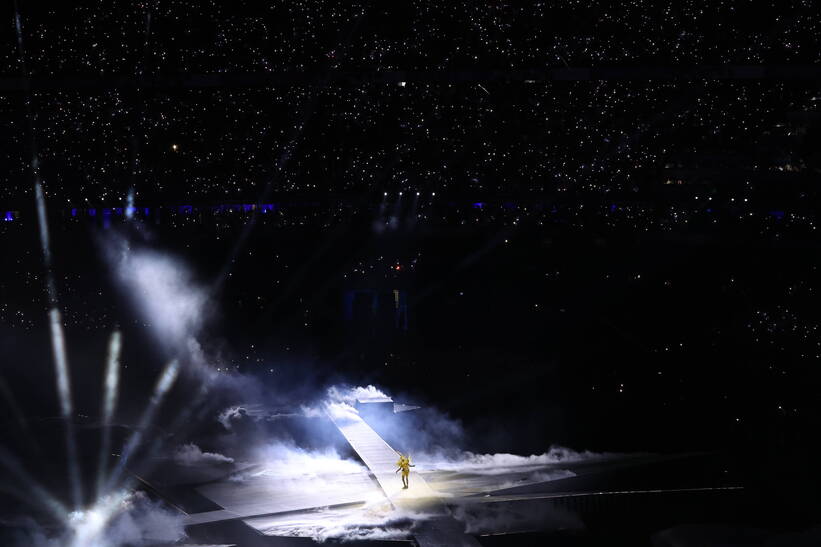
x: 436, y: 526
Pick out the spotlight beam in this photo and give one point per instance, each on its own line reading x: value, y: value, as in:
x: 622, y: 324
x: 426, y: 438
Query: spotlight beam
x: 164, y: 384
x: 184, y: 417
x: 57, y: 511
x: 40, y: 497
x: 20, y: 419
x: 66, y: 405
x: 112, y: 381
x: 55, y: 322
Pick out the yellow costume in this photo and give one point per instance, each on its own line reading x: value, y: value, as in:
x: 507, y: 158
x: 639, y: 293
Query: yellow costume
x: 404, y: 466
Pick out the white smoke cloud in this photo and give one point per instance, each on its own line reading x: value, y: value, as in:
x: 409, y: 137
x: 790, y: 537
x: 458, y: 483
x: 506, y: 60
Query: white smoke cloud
x: 350, y: 395
x: 306, y: 459
x: 338, y: 403
x: 341, y: 412
x: 168, y: 297
x: 232, y: 414
x: 501, y: 463
x: 191, y: 454
x: 368, y: 393
x: 544, y: 476
x: 376, y: 521
x: 172, y: 303
x: 340, y: 400
x: 288, y: 461
x: 118, y: 520
x: 311, y: 411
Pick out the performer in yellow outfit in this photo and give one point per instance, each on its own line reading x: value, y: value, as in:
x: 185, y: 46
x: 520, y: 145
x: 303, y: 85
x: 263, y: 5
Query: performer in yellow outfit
x: 404, y: 466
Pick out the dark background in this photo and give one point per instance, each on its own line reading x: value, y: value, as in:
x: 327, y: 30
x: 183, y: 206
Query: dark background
x: 620, y: 265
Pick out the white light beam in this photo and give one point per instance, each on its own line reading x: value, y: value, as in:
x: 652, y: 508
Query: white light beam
x: 164, y: 383
x: 112, y: 381
x: 63, y: 379
x: 57, y: 339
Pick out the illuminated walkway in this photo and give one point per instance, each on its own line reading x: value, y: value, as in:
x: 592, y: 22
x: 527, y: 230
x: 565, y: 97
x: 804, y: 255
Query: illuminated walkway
x: 438, y: 528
